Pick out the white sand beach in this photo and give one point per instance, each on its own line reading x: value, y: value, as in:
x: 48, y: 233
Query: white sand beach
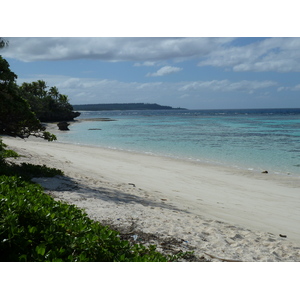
x: 221, y: 213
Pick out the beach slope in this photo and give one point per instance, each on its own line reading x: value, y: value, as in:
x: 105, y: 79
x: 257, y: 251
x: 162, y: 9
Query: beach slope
x: 219, y: 212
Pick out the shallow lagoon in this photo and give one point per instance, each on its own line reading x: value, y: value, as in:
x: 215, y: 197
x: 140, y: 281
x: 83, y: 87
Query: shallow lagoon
x: 249, y: 139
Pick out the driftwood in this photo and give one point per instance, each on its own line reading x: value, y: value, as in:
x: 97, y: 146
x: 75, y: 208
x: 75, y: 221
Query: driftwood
x: 223, y: 259
x: 283, y: 235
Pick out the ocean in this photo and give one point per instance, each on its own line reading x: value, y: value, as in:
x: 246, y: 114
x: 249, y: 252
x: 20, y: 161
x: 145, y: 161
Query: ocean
x: 249, y: 139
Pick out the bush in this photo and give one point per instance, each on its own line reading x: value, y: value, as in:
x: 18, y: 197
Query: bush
x: 35, y: 227
x: 4, y: 153
x: 27, y: 171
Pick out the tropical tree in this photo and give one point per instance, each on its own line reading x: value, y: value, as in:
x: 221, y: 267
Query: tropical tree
x: 16, y: 117
x: 48, y: 104
x: 54, y: 92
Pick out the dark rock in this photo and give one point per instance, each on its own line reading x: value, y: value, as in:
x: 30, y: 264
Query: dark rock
x: 265, y: 172
x: 63, y: 125
x: 283, y: 235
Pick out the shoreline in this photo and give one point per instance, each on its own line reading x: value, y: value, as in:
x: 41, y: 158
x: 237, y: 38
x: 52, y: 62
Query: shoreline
x: 222, y: 164
x: 220, y: 211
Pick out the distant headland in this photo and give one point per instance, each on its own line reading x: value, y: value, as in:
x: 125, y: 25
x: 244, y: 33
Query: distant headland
x: 121, y: 106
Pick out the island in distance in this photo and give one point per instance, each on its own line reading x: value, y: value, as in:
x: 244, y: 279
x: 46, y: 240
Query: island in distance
x: 121, y: 106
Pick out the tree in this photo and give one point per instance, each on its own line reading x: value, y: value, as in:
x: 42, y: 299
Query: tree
x: 16, y: 117
x: 48, y: 104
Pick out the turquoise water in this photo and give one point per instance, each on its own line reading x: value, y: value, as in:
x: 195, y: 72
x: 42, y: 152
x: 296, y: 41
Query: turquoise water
x: 248, y: 139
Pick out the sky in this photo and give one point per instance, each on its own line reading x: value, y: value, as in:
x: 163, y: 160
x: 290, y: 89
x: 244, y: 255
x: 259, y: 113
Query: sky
x: 188, y: 72
x: 197, y: 55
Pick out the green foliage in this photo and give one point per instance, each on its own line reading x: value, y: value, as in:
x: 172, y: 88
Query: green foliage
x: 5, y: 153
x: 28, y: 171
x: 35, y: 227
x: 7, y: 77
x: 16, y: 117
x: 25, y: 170
x: 39, y: 171
x: 48, y: 104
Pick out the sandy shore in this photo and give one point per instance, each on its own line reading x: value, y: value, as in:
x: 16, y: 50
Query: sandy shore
x: 216, y: 211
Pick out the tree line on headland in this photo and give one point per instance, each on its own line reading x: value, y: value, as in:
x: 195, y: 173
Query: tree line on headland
x: 120, y: 106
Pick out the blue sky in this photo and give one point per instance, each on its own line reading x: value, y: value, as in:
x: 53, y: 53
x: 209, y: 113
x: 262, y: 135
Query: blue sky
x: 195, y: 73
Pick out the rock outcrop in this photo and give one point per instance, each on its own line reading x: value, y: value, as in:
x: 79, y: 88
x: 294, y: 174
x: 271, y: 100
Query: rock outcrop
x: 63, y: 125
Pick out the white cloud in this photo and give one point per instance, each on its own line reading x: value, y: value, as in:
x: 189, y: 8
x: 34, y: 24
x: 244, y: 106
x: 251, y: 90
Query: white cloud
x: 296, y: 88
x: 147, y: 85
x: 282, y: 88
x: 227, y: 86
x: 194, y: 94
x: 74, y: 86
x: 165, y: 71
x: 111, y: 49
x: 145, y: 64
x: 273, y: 54
x: 247, y: 85
x: 213, y: 84
x: 91, y: 90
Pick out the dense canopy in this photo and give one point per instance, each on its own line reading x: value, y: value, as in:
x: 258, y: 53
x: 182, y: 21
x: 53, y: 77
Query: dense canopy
x: 22, y: 109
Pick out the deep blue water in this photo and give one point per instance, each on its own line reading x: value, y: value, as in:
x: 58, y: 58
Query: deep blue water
x: 260, y: 139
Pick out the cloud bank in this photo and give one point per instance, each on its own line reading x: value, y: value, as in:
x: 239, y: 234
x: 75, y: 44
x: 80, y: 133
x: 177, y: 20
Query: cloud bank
x: 111, y: 49
x: 185, y: 72
x: 91, y: 90
x: 270, y: 54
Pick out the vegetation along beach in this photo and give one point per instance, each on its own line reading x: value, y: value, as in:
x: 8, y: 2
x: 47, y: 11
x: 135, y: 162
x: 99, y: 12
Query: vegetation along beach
x: 131, y: 180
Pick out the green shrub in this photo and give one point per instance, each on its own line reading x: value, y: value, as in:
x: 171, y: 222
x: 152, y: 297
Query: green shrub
x: 28, y: 171
x: 35, y: 227
x: 25, y: 170
x: 4, y: 153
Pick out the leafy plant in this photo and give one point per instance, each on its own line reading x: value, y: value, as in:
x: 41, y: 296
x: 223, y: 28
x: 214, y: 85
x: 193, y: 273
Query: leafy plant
x: 5, y: 153
x: 35, y: 227
x: 25, y: 170
x: 47, y: 103
x: 29, y: 170
x: 16, y: 117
